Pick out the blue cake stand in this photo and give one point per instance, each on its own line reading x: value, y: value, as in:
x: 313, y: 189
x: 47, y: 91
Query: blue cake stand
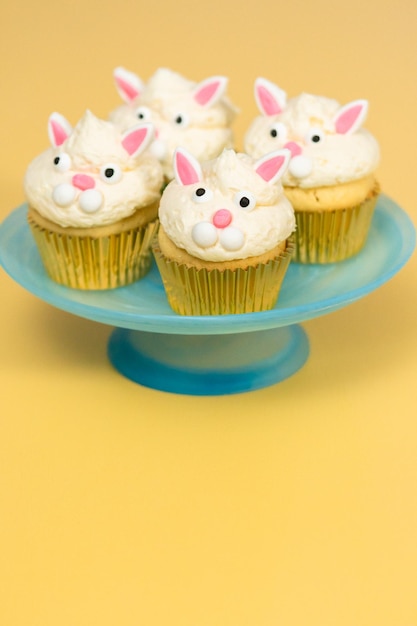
x: 214, y: 355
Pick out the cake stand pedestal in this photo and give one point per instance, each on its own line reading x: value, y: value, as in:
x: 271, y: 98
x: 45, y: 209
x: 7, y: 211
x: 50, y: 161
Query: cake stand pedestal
x: 214, y: 355
x: 209, y: 364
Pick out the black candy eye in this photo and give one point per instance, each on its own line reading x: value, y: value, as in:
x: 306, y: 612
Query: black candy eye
x: 278, y: 131
x: 143, y: 114
x: 62, y: 162
x: 202, y: 194
x: 245, y: 200
x: 110, y: 173
x: 314, y: 135
x: 181, y: 119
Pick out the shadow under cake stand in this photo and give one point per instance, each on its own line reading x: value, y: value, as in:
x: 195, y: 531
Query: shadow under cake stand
x: 214, y: 355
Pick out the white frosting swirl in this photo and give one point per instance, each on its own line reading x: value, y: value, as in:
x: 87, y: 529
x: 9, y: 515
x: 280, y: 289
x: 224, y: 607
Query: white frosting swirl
x: 322, y: 156
x: 91, y: 179
x: 167, y: 100
x: 243, y: 215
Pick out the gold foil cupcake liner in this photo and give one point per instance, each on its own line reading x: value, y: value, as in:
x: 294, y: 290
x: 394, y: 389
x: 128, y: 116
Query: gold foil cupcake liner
x: 84, y: 262
x: 331, y: 236
x: 192, y: 291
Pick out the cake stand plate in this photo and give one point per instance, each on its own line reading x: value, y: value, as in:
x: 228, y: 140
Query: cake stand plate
x: 213, y: 355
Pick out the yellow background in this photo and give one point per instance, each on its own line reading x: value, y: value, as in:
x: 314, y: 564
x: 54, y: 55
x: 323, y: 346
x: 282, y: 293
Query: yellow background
x: 294, y: 505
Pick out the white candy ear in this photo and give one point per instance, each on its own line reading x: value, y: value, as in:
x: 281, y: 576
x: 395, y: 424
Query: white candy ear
x: 128, y: 84
x: 59, y: 129
x: 137, y: 139
x: 350, y: 117
x: 187, y: 169
x: 210, y: 90
x: 271, y: 100
x: 273, y: 165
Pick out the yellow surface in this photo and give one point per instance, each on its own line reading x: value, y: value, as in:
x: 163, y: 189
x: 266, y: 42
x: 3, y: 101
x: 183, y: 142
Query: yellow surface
x: 294, y: 505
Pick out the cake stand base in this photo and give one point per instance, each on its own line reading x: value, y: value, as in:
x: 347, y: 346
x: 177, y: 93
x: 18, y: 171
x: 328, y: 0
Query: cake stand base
x: 205, y: 365
x: 215, y: 354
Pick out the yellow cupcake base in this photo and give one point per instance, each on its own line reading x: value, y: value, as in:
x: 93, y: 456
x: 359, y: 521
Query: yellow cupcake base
x: 192, y: 291
x: 95, y: 262
x: 330, y: 236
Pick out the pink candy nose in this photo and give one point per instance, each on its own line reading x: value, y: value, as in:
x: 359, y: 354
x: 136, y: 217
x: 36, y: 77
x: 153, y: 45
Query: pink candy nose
x: 83, y: 182
x: 222, y: 218
x: 293, y: 147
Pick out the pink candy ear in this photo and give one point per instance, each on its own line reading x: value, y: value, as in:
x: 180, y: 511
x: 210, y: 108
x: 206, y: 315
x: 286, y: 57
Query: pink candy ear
x: 137, y: 139
x: 187, y: 169
x: 350, y: 117
x: 272, y: 166
x: 59, y: 129
x: 271, y: 100
x: 209, y: 91
x: 127, y: 83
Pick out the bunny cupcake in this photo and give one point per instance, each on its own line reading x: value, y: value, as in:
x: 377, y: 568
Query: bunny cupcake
x: 331, y: 179
x: 195, y: 116
x: 223, y: 244
x: 93, y: 202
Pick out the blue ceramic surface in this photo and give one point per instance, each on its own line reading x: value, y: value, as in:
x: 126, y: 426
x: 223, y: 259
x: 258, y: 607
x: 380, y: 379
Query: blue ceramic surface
x: 214, y: 355
x: 209, y: 364
x: 307, y: 291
